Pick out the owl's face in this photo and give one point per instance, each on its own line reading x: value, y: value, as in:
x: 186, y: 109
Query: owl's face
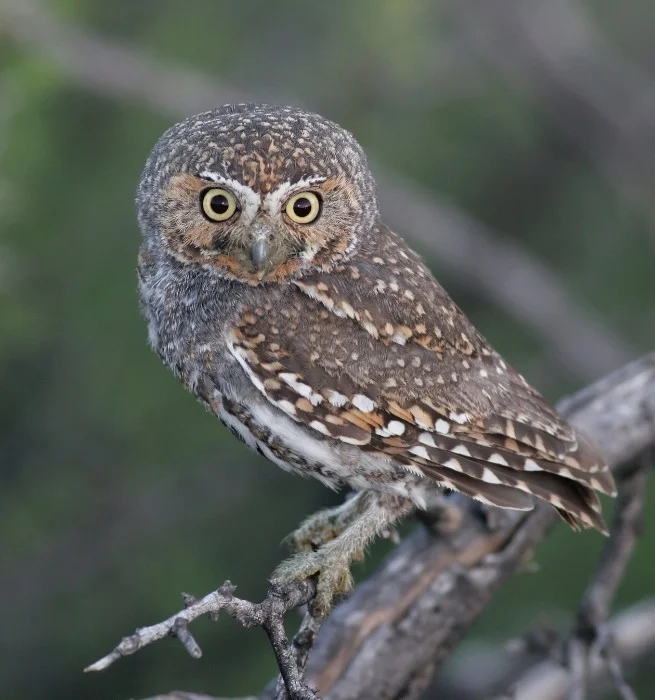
x: 257, y: 193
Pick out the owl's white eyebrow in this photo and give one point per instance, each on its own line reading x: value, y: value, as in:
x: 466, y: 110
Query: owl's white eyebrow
x: 274, y: 199
x: 210, y: 175
x: 250, y: 200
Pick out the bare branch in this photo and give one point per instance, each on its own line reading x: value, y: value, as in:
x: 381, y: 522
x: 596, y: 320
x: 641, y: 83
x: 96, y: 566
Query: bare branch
x: 592, y: 640
x: 269, y: 614
x: 591, y: 636
x: 396, y: 629
x: 595, y: 606
x: 633, y: 635
x: 432, y: 589
x: 470, y: 252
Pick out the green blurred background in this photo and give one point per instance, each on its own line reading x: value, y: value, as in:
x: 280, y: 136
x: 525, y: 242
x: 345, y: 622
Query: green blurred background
x: 531, y: 127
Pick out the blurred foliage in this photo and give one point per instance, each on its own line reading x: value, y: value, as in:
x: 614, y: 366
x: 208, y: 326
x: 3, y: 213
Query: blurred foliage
x: 116, y: 490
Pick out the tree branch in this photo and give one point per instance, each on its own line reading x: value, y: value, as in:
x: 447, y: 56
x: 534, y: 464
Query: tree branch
x: 531, y: 293
x: 592, y: 639
x: 397, y: 627
x: 633, y: 632
x: 590, y: 635
x: 269, y: 614
x: 633, y: 636
x: 433, y: 589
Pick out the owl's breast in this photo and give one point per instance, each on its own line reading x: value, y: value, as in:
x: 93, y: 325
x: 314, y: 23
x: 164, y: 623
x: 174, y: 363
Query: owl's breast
x: 188, y: 311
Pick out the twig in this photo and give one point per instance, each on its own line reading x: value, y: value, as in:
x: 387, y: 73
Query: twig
x: 611, y: 655
x: 597, y: 599
x: 633, y: 640
x: 303, y: 642
x: 305, y: 638
x: 432, y: 589
x: 590, y: 636
x: 585, y: 345
x: 269, y: 614
x: 591, y: 639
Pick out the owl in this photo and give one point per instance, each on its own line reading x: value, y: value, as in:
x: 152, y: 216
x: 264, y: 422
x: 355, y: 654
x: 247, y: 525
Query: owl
x: 276, y: 294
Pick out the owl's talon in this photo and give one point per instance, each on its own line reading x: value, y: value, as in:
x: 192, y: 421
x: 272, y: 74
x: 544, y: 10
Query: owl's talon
x: 323, y: 527
x: 313, y: 533
x: 332, y: 570
x: 341, y: 535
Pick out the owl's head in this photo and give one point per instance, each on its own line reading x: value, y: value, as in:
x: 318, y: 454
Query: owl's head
x: 257, y: 193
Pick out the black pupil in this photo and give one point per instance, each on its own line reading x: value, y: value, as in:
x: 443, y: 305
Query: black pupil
x: 302, y: 207
x: 219, y: 204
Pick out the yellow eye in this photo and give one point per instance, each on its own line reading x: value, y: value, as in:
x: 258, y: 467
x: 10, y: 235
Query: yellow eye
x: 303, y: 208
x: 218, y: 204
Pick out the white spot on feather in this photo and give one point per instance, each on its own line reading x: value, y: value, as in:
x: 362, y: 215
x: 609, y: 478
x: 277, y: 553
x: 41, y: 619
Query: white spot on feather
x: 458, y: 417
x: 287, y: 407
x: 427, y: 439
x: 363, y: 403
x: 300, y: 387
x: 454, y: 465
x: 419, y: 452
x: 556, y: 501
x: 335, y: 398
x: 296, y: 438
x: 595, y: 484
x: 239, y: 355
x: 354, y: 441
x: 442, y: 426
x: 370, y: 328
x: 489, y: 477
x: 320, y: 427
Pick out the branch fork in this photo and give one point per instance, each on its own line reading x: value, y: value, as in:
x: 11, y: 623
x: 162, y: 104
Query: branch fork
x: 362, y: 650
x: 269, y: 614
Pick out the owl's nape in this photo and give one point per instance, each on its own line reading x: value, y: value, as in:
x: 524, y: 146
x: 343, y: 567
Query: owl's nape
x: 275, y: 293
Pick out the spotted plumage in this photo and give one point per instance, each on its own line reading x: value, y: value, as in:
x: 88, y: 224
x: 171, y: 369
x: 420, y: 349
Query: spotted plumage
x: 278, y: 296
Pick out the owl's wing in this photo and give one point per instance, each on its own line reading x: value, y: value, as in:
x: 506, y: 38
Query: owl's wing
x: 401, y: 372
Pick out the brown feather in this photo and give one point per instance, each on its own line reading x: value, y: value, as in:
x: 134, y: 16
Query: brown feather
x: 353, y: 344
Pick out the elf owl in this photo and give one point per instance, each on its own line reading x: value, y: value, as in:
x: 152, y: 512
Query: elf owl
x: 276, y: 294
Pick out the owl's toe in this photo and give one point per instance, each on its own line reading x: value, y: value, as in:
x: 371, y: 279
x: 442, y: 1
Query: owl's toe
x: 332, y: 570
x: 324, y: 527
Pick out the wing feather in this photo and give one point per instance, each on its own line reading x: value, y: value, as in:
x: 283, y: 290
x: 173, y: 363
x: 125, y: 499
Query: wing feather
x: 424, y: 391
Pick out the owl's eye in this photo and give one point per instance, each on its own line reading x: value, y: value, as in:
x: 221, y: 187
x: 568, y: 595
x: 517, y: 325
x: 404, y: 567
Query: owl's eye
x: 303, y: 208
x: 218, y: 204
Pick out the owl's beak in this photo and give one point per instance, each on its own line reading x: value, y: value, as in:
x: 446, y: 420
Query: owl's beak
x: 259, y: 253
x: 260, y: 249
